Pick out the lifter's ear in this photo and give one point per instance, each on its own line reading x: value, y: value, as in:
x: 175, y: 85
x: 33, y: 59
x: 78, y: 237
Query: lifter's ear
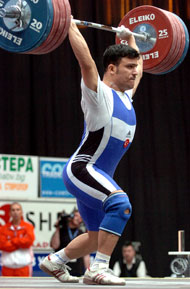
x: 111, y: 68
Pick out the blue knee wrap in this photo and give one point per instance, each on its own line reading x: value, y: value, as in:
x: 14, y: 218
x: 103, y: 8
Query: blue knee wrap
x: 118, y: 211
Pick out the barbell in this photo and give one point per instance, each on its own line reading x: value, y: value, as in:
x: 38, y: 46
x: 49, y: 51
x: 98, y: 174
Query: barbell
x: 40, y: 26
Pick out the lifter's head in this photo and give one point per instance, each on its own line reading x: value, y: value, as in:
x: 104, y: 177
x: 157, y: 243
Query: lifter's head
x: 114, y: 53
x: 120, y: 66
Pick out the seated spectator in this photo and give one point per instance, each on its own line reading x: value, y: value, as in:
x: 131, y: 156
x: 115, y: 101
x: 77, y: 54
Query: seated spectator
x: 130, y: 264
x: 16, y: 239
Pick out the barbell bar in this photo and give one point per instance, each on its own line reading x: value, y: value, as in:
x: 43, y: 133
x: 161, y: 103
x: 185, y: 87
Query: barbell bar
x: 141, y: 36
x: 33, y: 27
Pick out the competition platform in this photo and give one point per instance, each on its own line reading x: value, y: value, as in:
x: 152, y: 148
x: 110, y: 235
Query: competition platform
x: 131, y: 283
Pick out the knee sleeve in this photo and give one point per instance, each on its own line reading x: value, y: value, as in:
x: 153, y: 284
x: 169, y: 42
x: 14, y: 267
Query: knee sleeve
x: 118, y: 210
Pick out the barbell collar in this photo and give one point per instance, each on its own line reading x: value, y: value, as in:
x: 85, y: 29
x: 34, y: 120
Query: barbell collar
x: 18, y: 14
x: 13, y: 11
x: 143, y: 37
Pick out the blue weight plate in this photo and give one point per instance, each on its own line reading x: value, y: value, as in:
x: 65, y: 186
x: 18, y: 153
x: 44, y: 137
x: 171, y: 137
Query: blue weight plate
x: 49, y: 27
x: 51, y: 35
x: 39, y: 18
x: 185, y: 49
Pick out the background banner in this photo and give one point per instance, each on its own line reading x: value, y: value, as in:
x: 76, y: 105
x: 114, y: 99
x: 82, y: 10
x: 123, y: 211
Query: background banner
x: 51, y: 180
x: 42, y: 215
x: 18, y: 177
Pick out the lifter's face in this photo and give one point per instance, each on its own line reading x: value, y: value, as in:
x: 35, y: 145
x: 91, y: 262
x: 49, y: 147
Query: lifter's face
x: 124, y: 74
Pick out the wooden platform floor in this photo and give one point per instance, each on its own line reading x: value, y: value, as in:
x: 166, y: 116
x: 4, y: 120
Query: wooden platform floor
x: 134, y: 283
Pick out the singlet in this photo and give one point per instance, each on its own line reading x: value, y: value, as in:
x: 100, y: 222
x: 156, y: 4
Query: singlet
x: 109, y: 129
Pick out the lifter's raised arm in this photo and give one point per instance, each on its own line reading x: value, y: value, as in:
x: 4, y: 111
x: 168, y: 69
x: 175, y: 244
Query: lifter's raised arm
x: 132, y: 43
x: 80, y: 48
x: 126, y: 34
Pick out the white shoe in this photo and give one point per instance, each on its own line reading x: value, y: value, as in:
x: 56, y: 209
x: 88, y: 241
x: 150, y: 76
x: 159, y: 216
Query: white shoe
x: 59, y: 271
x: 102, y: 276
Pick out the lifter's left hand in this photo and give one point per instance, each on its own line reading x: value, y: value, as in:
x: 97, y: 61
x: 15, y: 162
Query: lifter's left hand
x: 124, y: 33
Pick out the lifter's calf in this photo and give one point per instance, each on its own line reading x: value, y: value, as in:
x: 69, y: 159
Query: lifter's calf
x: 82, y: 245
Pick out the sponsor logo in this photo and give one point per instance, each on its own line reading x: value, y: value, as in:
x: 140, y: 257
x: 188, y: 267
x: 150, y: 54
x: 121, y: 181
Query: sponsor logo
x: 141, y: 18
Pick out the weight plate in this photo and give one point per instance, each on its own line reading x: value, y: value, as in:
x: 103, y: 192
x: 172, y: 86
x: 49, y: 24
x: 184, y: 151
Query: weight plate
x: 50, y: 25
x: 186, y: 41
x: 158, y: 24
x: 181, y: 36
x: 56, y: 19
x: 68, y: 20
x: 61, y: 27
x: 62, y: 30
x: 185, y: 48
x: 39, y: 19
x: 179, y: 46
x: 175, y: 48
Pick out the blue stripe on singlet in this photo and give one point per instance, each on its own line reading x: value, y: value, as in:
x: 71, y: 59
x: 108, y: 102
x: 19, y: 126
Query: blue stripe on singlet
x: 115, y: 149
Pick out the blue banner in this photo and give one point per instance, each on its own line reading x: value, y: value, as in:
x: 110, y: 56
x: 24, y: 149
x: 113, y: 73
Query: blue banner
x: 51, y: 180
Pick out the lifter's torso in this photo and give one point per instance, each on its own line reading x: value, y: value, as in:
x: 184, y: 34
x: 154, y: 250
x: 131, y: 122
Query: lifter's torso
x: 110, y: 124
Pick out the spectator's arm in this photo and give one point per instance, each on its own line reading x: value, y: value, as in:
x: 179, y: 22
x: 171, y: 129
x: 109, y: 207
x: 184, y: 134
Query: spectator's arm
x: 141, y: 270
x: 26, y: 240
x: 116, y: 269
x: 55, y: 239
x: 7, y: 245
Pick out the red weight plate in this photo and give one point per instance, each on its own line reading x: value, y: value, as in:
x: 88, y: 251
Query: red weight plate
x: 181, y: 44
x: 64, y: 23
x: 68, y: 19
x: 51, y: 38
x: 181, y: 36
x: 173, y: 56
x: 155, y: 17
x: 62, y: 27
x: 174, y: 48
x: 58, y: 31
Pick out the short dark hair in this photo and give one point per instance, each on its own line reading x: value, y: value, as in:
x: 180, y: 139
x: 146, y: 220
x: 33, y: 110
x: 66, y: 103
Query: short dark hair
x: 128, y: 243
x: 114, y: 53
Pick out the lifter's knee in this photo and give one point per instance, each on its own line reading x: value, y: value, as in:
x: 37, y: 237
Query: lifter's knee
x: 118, y: 211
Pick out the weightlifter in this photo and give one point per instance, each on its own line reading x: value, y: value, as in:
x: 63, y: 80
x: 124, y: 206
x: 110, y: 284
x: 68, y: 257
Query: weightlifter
x: 109, y: 130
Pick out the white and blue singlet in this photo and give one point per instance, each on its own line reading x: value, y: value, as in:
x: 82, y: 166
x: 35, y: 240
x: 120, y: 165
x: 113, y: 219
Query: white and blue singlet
x: 109, y: 129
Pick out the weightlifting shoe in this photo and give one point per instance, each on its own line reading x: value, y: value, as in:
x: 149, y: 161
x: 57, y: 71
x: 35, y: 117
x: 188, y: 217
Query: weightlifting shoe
x: 59, y: 271
x: 102, y: 276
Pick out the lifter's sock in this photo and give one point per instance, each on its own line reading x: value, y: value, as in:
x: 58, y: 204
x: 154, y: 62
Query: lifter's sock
x: 100, y: 260
x: 60, y: 257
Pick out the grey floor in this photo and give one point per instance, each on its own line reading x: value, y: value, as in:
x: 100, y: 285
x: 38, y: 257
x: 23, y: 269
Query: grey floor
x: 48, y: 282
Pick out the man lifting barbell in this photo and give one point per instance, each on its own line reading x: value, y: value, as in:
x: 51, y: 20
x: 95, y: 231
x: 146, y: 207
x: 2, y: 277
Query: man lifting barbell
x: 109, y: 130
